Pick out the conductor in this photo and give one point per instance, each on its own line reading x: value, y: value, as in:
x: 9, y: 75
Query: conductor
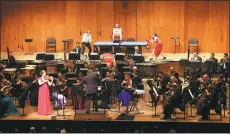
x: 91, y: 81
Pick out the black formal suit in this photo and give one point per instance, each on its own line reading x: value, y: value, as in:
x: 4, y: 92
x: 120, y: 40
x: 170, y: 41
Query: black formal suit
x: 91, y: 81
x: 11, y: 62
x: 77, y: 50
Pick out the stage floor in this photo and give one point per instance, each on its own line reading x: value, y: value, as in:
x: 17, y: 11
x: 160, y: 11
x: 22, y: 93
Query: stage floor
x: 113, y: 114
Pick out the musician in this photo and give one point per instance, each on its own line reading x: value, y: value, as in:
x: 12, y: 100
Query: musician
x: 18, y: 87
x: 44, y: 94
x: 162, y: 81
x: 174, y: 73
x: 170, y: 100
x: 60, y: 79
x: 77, y: 49
x: 136, y: 76
x: 11, y: 61
x: 126, y: 95
x: 91, y: 81
x: 80, y: 96
x: 5, y: 96
x: 221, y: 87
x: 158, y: 48
x: 136, y: 50
x: 223, y: 68
x: 5, y: 85
x: 212, y: 57
x: 196, y: 58
x: 86, y: 40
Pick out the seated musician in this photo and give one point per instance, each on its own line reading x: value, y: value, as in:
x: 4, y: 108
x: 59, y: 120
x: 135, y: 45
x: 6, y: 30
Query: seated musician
x: 77, y: 49
x: 212, y: 57
x: 126, y: 95
x: 18, y: 86
x: 136, y: 77
x: 11, y: 61
x: 223, y: 68
x: 209, y: 97
x: 162, y: 81
x: 60, y: 79
x: 136, y: 50
x: 196, y: 57
x: 5, y: 97
x: 220, y: 86
x: 170, y: 100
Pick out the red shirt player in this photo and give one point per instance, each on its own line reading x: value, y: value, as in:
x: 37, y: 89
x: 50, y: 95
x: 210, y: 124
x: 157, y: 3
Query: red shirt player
x: 108, y: 58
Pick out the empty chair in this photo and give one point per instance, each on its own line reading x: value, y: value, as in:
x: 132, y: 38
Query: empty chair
x: 130, y: 40
x: 51, y: 45
x: 193, y: 42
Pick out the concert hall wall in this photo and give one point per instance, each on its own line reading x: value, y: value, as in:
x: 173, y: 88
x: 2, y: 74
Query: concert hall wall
x: 206, y: 20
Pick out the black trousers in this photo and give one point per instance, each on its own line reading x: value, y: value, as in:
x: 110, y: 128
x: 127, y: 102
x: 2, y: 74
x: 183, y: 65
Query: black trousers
x: 88, y: 46
x: 88, y: 98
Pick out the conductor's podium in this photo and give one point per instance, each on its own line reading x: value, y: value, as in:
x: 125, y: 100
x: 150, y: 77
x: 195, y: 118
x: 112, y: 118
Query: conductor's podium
x: 110, y: 47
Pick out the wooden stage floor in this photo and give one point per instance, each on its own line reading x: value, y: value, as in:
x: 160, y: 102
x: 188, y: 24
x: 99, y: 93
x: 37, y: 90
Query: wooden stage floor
x: 113, y: 114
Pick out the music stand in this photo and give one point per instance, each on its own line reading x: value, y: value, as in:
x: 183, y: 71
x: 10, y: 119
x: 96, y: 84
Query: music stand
x: 28, y: 41
x: 22, y: 100
x: 126, y: 69
x: 84, y: 71
x: 74, y: 56
x: 70, y: 81
x: 58, y: 88
x: 94, y: 56
x: 40, y: 56
x: 119, y: 57
x: 138, y: 58
x: 210, y: 67
x: 185, y: 63
x: 70, y: 75
x: 175, y: 39
x: 196, y: 65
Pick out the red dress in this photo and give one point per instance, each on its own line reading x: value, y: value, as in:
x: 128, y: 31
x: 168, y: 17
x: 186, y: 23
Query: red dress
x: 44, y: 99
x: 158, y: 47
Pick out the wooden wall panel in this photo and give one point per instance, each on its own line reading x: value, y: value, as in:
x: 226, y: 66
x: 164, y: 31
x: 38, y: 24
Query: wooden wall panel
x: 206, y: 20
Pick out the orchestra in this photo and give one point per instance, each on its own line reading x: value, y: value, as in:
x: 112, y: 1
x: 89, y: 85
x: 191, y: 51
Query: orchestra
x: 166, y: 89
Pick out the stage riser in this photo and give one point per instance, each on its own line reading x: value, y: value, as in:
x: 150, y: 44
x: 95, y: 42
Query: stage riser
x: 95, y: 117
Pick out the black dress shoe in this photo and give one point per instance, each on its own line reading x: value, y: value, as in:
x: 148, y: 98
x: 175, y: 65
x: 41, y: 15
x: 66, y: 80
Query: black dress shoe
x: 164, y: 58
x: 203, y: 119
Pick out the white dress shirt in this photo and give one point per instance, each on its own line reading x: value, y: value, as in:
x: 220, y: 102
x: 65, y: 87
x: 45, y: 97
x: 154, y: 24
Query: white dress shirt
x: 86, y: 38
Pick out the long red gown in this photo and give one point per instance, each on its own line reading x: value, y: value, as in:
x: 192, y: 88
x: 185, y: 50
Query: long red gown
x: 158, y: 47
x: 44, y: 99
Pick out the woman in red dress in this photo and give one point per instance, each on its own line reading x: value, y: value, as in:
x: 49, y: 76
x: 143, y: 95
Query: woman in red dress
x: 158, y: 48
x: 44, y: 94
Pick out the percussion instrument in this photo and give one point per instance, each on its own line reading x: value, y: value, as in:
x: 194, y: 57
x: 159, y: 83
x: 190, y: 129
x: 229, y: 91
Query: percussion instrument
x: 10, y: 70
x: 27, y: 71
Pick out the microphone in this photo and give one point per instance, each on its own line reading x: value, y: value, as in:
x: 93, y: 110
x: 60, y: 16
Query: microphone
x: 18, y: 45
x: 22, y: 48
x: 100, y: 33
x: 80, y: 33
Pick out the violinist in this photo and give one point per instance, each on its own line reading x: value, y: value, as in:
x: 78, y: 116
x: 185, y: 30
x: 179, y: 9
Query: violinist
x: 60, y: 79
x: 162, y: 81
x: 18, y: 86
x: 126, y: 95
x: 5, y: 85
x: 44, y: 94
x: 107, y: 90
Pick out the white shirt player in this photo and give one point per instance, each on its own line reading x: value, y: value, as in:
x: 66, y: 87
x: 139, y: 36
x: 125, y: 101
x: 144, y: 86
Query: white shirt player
x: 86, y: 37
